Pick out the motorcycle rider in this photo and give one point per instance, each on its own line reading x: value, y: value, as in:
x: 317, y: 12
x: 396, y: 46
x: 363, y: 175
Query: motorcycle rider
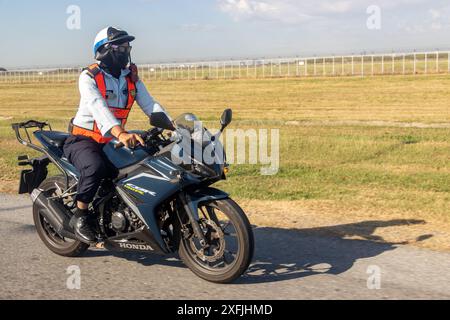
x: 108, y: 90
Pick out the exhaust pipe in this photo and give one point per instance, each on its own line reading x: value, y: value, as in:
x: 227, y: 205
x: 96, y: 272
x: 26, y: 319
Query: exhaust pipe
x: 54, y: 212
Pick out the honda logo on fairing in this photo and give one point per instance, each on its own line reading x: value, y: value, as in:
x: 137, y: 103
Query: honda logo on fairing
x: 135, y: 246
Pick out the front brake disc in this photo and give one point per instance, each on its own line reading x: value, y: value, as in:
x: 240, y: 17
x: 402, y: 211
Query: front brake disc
x: 214, y: 237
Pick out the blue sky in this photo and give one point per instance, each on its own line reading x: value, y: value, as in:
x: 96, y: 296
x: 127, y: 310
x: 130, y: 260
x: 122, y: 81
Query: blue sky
x: 34, y: 33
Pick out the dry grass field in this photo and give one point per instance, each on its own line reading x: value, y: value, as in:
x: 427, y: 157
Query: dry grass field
x: 360, y: 158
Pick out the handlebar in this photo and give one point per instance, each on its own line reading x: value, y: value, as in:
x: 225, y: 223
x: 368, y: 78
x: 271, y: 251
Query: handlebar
x: 119, y: 145
x: 147, y: 136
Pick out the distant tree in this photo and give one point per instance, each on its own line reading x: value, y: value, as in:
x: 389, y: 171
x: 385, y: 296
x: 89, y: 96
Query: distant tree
x: 3, y: 70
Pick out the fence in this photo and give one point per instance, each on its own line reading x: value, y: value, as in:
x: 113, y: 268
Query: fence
x: 354, y: 65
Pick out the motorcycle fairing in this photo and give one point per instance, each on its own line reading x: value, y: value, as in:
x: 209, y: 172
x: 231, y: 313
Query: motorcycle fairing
x: 155, y: 182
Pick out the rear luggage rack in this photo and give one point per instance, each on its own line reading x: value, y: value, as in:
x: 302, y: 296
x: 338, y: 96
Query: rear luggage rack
x: 30, y: 178
x: 30, y: 125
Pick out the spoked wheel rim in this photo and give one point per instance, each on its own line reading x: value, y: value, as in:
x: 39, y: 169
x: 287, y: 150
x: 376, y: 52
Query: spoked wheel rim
x: 221, y: 236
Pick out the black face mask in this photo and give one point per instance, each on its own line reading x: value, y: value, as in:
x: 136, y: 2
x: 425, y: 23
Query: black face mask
x: 113, y: 62
x: 120, y: 59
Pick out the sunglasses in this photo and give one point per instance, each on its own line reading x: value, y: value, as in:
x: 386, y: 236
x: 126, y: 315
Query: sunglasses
x: 121, y: 49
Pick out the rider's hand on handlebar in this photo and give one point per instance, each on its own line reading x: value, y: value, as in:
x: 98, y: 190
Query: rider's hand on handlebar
x: 131, y: 140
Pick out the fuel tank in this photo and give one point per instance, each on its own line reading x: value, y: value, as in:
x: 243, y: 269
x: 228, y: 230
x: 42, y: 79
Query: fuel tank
x: 124, y: 157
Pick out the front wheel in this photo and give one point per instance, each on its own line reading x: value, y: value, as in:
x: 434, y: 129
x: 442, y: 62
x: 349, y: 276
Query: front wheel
x: 230, y: 243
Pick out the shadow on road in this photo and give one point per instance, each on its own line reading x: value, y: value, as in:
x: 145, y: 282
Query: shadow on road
x: 283, y: 254
x: 287, y: 254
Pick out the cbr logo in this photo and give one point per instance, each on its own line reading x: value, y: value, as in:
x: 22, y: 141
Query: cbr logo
x: 135, y: 246
x: 139, y: 190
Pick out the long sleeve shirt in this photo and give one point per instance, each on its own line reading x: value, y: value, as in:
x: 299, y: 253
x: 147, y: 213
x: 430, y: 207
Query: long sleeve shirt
x: 94, y: 108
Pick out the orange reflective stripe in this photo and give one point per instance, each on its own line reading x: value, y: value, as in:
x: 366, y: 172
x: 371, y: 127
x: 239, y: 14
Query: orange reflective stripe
x: 119, y: 113
x: 77, y: 131
x: 101, y: 84
x: 131, y: 92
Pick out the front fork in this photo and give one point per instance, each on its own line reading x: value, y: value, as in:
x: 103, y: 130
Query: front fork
x: 192, y: 214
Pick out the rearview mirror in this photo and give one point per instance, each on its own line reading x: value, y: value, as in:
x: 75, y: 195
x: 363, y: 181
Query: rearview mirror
x: 162, y: 121
x: 226, y: 118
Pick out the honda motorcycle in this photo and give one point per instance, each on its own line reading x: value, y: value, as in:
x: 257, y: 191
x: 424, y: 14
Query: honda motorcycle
x: 154, y: 205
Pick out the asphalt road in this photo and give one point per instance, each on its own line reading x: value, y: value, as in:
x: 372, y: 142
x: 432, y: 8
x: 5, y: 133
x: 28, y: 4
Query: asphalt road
x: 287, y: 265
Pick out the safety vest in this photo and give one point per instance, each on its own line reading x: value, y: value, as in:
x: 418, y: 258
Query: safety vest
x: 121, y: 114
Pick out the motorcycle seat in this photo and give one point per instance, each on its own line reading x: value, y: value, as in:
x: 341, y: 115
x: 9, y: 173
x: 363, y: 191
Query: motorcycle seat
x: 55, y: 138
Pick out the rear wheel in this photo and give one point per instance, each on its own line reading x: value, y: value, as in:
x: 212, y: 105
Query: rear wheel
x: 56, y: 243
x: 230, y: 243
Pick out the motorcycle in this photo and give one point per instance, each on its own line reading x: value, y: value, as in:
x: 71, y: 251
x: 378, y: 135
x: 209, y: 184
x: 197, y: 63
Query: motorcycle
x: 154, y: 205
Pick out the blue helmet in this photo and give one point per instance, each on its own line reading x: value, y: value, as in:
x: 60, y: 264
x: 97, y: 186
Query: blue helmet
x: 110, y: 35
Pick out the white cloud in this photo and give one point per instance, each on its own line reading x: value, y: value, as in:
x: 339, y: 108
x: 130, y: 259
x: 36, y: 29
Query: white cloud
x: 435, y: 14
x: 299, y: 11
x: 434, y: 20
x: 286, y: 11
x: 436, y: 26
x: 336, y: 6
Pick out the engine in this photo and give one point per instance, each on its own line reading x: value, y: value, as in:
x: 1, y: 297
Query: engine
x: 121, y: 219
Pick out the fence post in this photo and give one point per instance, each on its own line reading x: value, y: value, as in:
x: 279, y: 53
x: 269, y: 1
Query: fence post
x: 306, y: 67
x: 362, y: 66
x: 324, y: 71
x: 224, y: 70
x: 353, y: 65
x: 448, y: 61
x: 437, y: 62
x: 233, y: 65
x: 315, y: 67
x: 426, y: 63
x: 264, y: 68
x: 334, y: 66
x: 239, y: 69
x: 382, y: 64
x: 279, y: 68
x: 393, y: 63
x: 404, y: 64
x: 415, y: 63
x: 372, y: 67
